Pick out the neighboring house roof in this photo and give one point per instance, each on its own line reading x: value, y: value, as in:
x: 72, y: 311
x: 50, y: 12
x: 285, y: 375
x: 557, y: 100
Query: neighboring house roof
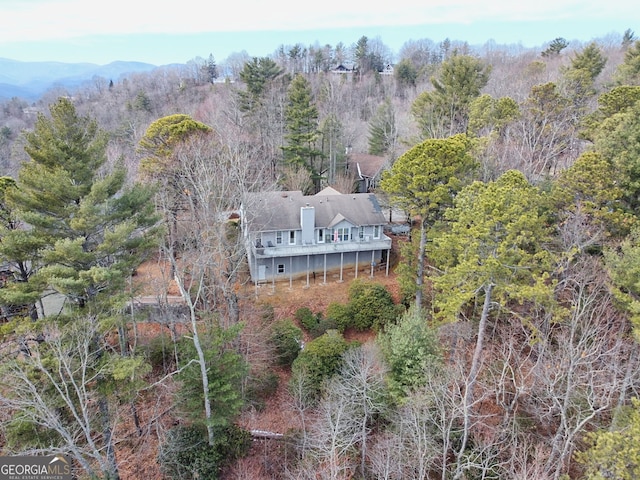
x: 328, y: 191
x: 342, y: 69
x: 273, y: 211
x: 366, y: 165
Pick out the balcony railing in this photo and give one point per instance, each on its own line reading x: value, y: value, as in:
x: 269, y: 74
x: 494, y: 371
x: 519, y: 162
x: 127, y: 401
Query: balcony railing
x: 362, y: 245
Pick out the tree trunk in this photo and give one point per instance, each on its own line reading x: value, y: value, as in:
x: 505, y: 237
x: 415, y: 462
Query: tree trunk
x: 201, y: 358
x: 472, y: 379
x: 233, y: 308
x: 112, y: 465
x: 421, y: 259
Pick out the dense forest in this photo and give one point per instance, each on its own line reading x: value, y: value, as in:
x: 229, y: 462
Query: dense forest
x: 504, y: 346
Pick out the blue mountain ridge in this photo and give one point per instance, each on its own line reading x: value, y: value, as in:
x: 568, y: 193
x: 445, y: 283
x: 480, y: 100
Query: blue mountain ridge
x: 29, y: 80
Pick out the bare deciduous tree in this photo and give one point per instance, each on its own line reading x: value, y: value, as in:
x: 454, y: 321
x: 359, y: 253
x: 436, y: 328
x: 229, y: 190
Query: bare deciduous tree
x: 342, y: 425
x: 54, y: 388
x: 583, y: 366
x: 545, y: 136
x: 214, y: 181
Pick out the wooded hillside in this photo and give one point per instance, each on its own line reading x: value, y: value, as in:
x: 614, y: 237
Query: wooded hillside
x: 504, y: 344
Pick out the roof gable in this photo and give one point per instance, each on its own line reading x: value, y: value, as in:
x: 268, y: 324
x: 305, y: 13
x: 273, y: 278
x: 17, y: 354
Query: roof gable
x: 328, y: 191
x: 337, y: 219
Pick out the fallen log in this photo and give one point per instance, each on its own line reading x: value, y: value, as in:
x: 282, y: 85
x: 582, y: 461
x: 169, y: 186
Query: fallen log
x: 266, y: 435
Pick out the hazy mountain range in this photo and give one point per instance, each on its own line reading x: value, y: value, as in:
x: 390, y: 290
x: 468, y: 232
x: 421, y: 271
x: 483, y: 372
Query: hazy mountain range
x: 29, y: 80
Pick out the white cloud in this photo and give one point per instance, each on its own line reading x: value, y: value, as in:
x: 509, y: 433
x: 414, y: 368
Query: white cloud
x: 25, y: 20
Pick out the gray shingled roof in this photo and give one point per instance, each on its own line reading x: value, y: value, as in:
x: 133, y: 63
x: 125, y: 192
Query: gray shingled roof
x: 272, y: 211
x: 365, y: 164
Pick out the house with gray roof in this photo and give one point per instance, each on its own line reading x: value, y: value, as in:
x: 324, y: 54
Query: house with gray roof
x: 290, y: 235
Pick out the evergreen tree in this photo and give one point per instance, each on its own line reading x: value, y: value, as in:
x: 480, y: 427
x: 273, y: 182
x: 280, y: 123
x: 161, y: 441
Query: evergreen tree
x: 405, y: 73
x: 614, y: 453
x: 361, y: 53
x: 590, y: 59
x: 7, y: 219
x: 301, y: 117
x: 579, y: 78
x: 17, y: 247
x: 627, y: 38
x: 495, y: 244
x: 383, y: 132
x: 88, y: 230
x: 618, y: 139
x: 623, y: 265
x: 555, y: 47
x: 444, y: 111
x: 617, y: 100
x: 424, y: 181
x: 160, y: 167
x: 318, y: 362
x: 411, y: 349
x: 225, y: 369
x: 142, y: 102
x: 628, y: 72
x: 210, y: 69
x: 489, y: 115
x: 257, y: 75
x: 162, y: 137
x: 82, y: 231
x: 588, y: 191
x: 495, y: 247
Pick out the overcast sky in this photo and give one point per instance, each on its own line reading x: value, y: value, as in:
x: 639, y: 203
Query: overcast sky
x: 163, y: 31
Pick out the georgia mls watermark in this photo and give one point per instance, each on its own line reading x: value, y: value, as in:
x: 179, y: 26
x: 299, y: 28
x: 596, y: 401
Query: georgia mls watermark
x: 23, y: 467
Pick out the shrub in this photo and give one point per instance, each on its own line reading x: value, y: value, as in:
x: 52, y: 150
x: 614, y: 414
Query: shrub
x: 315, y: 324
x: 319, y: 360
x: 267, y: 312
x: 411, y: 348
x: 286, y: 338
x: 370, y: 305
x: 307, y: 319
x: 324, y: 325
x: 260, y: 386
x: 160, y: 352
x: 186, y: 454
x: 340, y: 314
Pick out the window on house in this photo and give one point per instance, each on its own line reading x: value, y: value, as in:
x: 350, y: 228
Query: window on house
x: 320, y: 235
x: 280, y: 268
x: 361, y: 233
x: 342, y: 234
x: 376, y: 231
x: 292, y: 237
x: 278, y: 238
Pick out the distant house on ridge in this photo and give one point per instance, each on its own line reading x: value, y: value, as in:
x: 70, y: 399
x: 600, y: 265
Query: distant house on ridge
x: 386, y: 70
x: 342, y: 69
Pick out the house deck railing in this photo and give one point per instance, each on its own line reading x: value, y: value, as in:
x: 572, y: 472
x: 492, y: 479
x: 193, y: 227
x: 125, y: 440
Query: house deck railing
x: 383, y: 243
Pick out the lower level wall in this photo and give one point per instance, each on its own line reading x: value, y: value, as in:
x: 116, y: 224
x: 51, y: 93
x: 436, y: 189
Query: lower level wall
x: 284, y: 268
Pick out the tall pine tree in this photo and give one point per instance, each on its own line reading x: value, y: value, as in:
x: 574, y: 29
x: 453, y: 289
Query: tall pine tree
x: 301, y: 117
x: 424, y: 181
x: 88, y: 229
